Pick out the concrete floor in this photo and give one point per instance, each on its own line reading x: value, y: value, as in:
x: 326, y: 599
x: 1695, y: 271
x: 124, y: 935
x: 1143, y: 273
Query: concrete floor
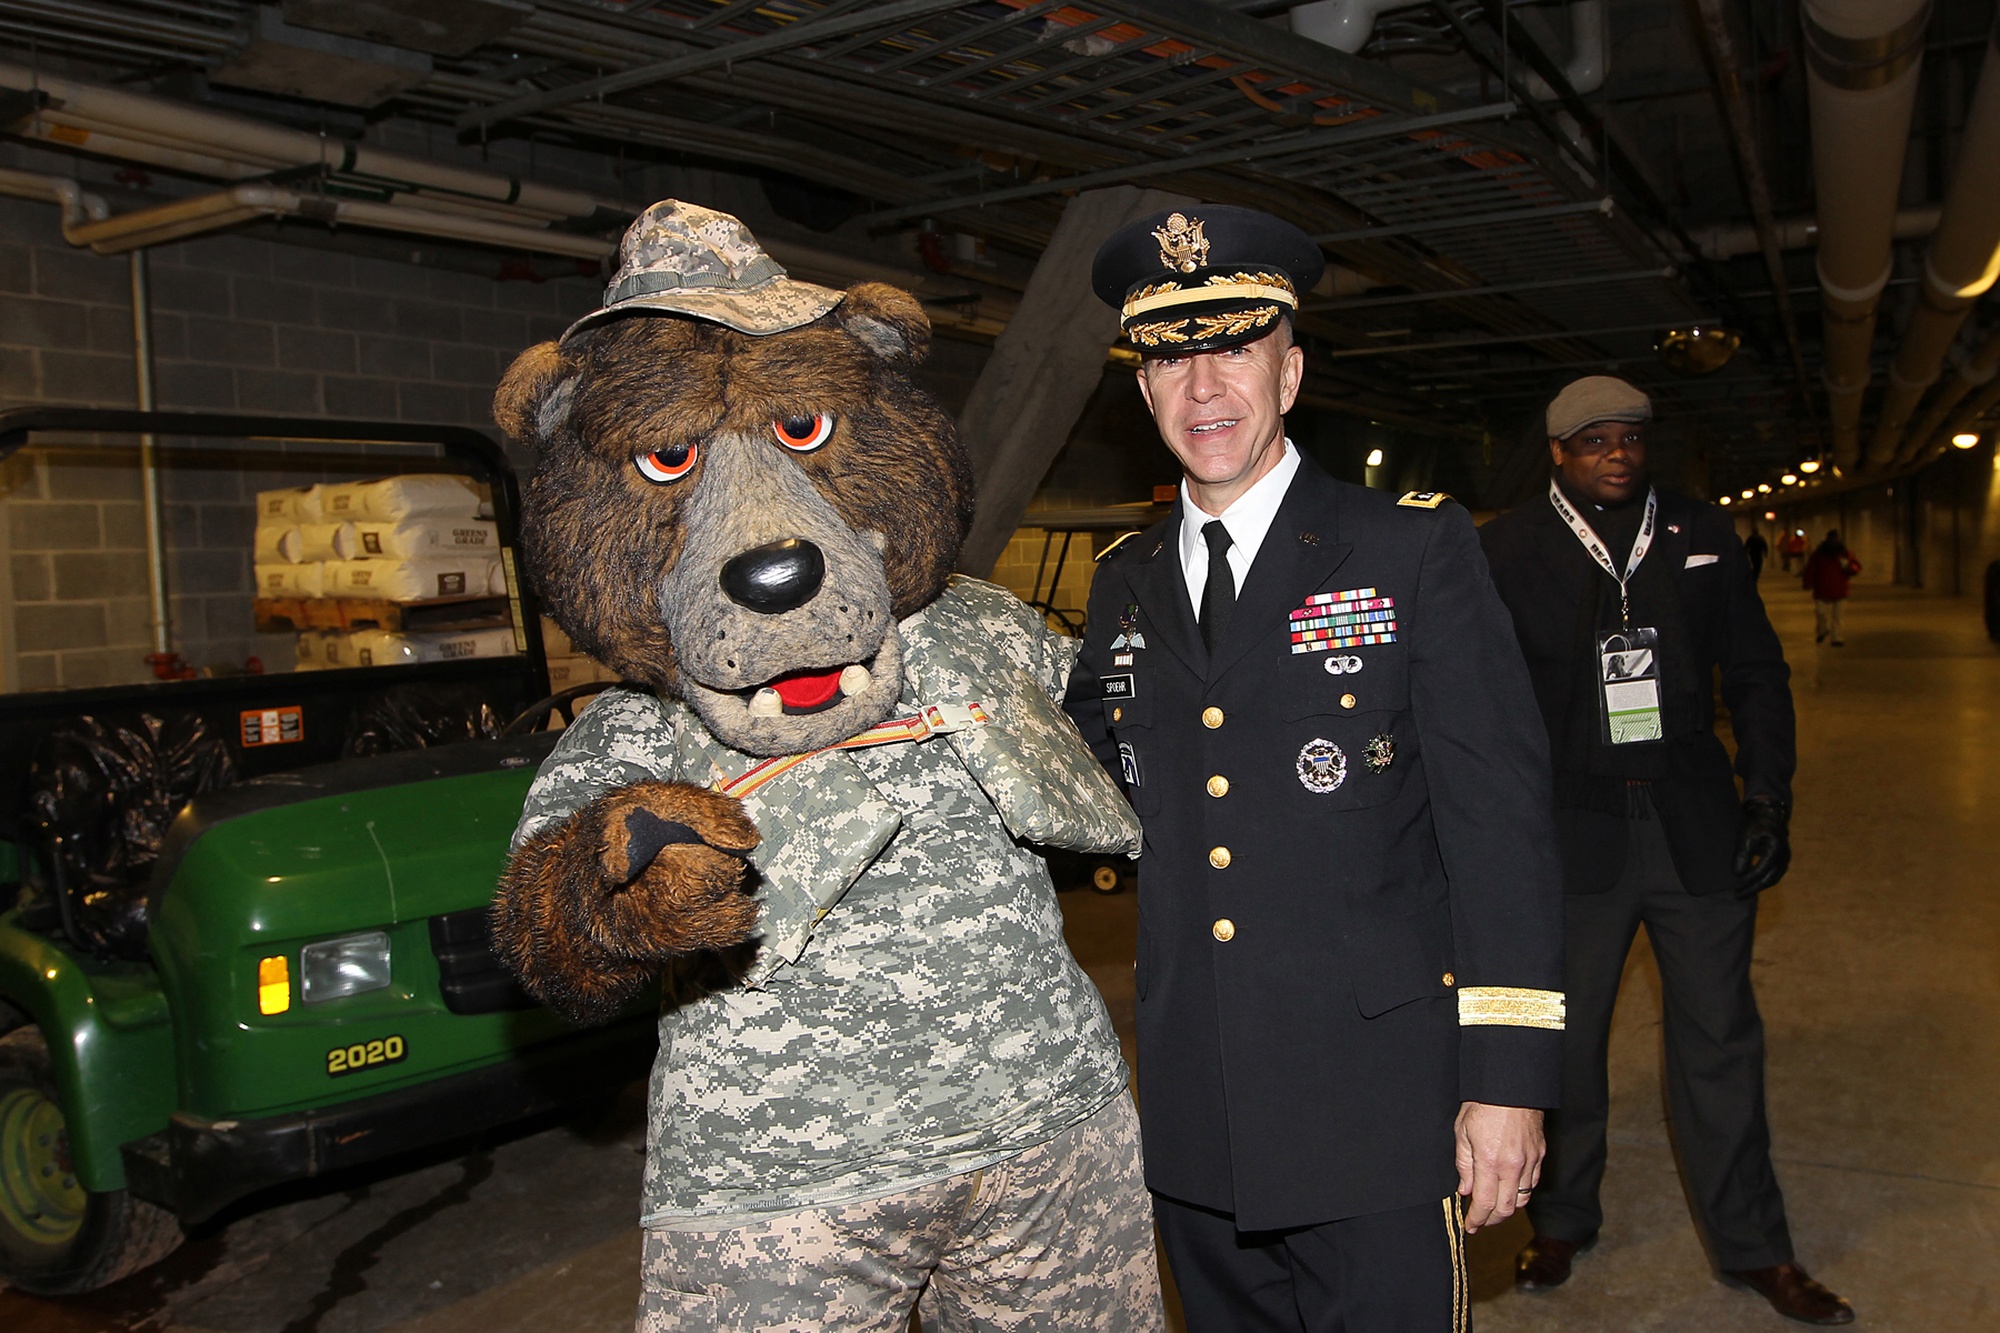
x: 1878, y: 964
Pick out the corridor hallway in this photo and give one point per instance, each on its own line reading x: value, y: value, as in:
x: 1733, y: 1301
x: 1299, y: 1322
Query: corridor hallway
x: 1878, y: 970
x: 1878, y: 964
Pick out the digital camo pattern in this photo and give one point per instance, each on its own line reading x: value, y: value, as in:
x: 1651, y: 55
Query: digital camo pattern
x: 1031, y: 761
x: 1058, y: 1239
x: 933, y: 1021
x: 686, y: 259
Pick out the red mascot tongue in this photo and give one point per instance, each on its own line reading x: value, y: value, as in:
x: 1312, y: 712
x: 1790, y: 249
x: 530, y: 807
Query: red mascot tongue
x: 807, y: 689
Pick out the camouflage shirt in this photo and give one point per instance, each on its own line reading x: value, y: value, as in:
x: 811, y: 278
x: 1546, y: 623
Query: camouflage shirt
x: 924, y: 1017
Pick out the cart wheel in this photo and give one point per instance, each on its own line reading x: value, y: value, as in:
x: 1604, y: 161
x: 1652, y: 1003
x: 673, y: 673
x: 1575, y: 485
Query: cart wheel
x: 1105, y: 879
x: 536, y: 715
x: 56, y: 1237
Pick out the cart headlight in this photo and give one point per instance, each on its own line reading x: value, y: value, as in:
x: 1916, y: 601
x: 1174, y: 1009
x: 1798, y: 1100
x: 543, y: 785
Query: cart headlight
x: 349, y: 965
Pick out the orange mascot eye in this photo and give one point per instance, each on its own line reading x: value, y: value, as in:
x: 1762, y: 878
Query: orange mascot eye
x: 670, y: 464
x: 803, y: 434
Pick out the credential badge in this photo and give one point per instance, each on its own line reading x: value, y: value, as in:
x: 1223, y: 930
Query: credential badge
x: 1379, y: 753
x: 1322, y: 766
x: 1342, y: 666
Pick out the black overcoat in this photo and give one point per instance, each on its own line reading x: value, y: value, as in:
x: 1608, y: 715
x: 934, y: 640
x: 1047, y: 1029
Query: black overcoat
x: 1308, y: 1067
x: 1694, y: 581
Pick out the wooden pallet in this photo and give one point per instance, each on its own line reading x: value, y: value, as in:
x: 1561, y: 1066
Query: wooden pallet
x: 437, y: 613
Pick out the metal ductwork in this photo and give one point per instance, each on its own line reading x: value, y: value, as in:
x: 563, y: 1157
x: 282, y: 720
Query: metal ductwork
x: 1963, y: 263
x: 1862, y: 58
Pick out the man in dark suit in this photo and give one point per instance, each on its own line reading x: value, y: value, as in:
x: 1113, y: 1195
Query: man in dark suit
x: 1349, y: 959
x: 1599, y: 574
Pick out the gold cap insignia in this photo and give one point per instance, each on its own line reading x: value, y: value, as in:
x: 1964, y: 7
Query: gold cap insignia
x: 1183, y: 245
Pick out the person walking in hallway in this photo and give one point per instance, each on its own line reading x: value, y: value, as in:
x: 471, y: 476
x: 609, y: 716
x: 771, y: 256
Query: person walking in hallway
x: 1792, y: 549
x: 1628, y: 602
x: 1755, y: 549
x: 1829, y: 570
x: 1349, y: 957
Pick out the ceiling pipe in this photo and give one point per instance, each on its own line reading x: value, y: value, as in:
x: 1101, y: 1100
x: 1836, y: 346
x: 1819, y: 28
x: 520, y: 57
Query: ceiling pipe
x: 1590, y: 53
x: 243, y: 203
x: 1975, y: 372
x: 1346, y: 25
x: 1964, y: 260
x: 1862, y: 58
x: 1728, y: 240
x: 251, y: 147
x: 79, y: 207
x: 1750, y: 165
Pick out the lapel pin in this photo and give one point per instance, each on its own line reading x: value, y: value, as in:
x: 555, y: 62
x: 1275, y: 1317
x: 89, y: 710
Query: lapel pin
x: 1309, y: 538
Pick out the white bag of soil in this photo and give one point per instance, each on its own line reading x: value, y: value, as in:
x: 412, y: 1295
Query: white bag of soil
x: 387, y: 648
x: 416, y: 580
x: 392, y: 499
x: 415, y: 538
x: 282, y: 580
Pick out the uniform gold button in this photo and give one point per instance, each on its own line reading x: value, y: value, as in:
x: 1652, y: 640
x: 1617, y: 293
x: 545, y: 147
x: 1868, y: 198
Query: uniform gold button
x: 1117, y: 715
x: 1219, y: 857
x: 1347, y: 701
x: 1218, y: 785
x: 1211, y: 717
x: 1449, y: 979
x: 1224, y: 930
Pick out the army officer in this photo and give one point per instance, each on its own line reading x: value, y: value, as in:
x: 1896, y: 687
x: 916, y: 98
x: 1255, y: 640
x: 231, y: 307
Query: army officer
x: 1349, y: 966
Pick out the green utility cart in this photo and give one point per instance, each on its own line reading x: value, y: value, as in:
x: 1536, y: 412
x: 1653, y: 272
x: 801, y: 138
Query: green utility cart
x: 297, y: 977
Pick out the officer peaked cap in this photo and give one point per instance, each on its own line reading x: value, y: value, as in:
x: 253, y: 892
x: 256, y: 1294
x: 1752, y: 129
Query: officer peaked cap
x: 1204, y: 277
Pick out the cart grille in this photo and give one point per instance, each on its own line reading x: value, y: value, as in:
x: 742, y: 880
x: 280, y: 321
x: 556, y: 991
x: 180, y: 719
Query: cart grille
x: 469, y: 974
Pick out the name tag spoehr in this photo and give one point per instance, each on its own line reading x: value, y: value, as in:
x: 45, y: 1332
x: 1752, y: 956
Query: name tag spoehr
x: 1117, y: 687
x: 1628, y: 663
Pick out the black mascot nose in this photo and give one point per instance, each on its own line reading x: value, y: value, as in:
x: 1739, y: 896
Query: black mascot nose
x: 779, y: 576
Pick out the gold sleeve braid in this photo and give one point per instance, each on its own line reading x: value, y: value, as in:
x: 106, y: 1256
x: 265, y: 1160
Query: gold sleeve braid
x: 1510, y: 1006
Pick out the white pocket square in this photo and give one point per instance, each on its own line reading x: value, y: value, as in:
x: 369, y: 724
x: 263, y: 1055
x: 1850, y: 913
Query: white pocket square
x: 1696, y: 561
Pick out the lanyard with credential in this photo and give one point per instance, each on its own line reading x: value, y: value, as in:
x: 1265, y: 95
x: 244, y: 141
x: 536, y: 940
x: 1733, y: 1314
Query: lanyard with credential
x: 1601, y: 554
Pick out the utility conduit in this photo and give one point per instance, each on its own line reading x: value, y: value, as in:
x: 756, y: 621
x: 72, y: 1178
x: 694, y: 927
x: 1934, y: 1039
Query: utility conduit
x: 1963, y: 263
x: 1862, y: 59
x: 1977, y: 372
x: 254, y: 148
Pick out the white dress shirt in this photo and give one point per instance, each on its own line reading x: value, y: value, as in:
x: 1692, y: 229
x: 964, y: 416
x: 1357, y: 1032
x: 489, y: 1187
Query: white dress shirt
x: 1246, y: 521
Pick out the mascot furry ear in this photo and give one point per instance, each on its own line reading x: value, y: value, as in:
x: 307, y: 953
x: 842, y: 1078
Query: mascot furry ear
x: 527, y: 387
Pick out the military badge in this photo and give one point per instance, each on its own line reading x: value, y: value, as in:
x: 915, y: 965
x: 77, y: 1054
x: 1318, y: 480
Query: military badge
x: 1379, y: 753
x: 1342, y: 666
x: 1183, y: 244
x: 1322, y: 766
x: 1128, y: 633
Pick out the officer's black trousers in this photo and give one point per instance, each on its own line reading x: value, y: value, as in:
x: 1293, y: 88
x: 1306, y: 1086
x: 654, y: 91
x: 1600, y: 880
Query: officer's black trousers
x: 1714, y: 1049
x: 1396, y: 1272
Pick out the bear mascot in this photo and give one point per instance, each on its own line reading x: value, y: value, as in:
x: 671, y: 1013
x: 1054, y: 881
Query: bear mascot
x: 808, y: 811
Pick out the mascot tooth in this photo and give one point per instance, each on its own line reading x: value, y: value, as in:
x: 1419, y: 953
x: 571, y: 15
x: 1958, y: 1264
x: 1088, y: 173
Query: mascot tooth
x: 802, y: 825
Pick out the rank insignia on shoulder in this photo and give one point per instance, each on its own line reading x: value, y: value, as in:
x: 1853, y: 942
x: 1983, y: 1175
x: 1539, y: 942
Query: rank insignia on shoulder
x: 1423, y: 499
x: 1114, y: 548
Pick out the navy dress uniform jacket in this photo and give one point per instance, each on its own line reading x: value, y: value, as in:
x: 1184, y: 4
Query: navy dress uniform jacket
x: 1696, y: 587
x: 1323, y: 976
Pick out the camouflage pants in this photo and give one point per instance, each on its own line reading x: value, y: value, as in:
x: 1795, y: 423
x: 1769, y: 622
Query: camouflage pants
x: 1056, y: 1240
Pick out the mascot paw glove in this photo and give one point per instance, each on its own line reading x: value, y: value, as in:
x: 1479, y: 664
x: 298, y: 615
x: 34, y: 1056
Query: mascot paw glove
x: 673, y: 871
x: 1763, y: 846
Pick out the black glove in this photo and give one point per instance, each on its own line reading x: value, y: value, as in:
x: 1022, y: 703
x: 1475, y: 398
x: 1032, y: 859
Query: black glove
x: 1763, y: 845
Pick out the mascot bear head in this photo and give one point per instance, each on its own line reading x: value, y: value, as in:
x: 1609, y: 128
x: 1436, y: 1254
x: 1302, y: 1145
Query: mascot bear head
x: 737, y: 490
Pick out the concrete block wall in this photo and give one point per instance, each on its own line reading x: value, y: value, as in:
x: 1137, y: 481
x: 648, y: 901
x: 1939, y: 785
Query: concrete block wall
x: 239, y: 325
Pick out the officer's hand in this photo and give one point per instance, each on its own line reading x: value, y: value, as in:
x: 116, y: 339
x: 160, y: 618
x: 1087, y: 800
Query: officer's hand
x: 1763, y: 846
x: 1499, y: 1160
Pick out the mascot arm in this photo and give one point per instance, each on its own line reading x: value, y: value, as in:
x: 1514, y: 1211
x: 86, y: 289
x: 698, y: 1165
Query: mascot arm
x: 616, y: 867
x: 590, y: 907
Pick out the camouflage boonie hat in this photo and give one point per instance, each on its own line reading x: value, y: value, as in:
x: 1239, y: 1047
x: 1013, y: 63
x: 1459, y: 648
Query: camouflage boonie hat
x: 683, y: 259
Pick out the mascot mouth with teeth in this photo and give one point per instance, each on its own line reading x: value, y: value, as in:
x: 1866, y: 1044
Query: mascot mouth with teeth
x: 809, y: 808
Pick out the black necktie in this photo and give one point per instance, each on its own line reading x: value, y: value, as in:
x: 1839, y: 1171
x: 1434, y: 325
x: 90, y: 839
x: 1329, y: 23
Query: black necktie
x: 1218, y: 595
